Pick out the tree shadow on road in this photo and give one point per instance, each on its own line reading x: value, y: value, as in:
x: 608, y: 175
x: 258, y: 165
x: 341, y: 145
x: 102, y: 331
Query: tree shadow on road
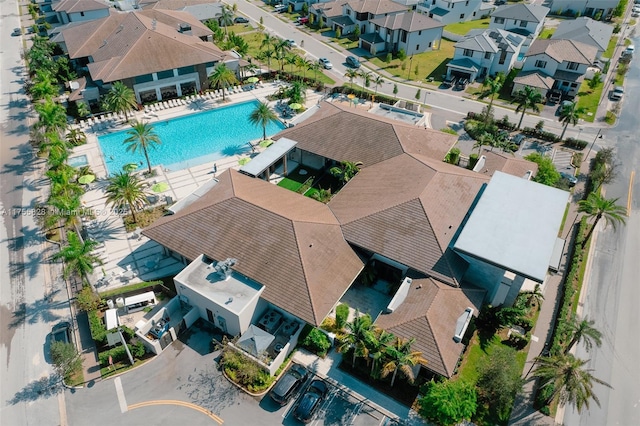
x: 40, y: 310
x: 45, y: 387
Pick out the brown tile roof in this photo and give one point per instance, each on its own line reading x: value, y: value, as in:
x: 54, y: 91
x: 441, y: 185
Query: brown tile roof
x: 126, y: 45
x: 564, y: 50
x: 534, y: 79
x: 291, y: 244
x: 429, y: 314
x: 330, y: 9
x: 499, y: 161
x: 408, y: 21
x: 407, y: 209
x: 171, y: 4
x: 72, y: 6
x: 376, y: 7
x: 343, y: 135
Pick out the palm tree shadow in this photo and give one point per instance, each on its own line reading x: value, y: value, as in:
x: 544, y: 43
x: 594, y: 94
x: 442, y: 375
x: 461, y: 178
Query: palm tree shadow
x: 234, y: 150
x: 40, y: 310
x: 44, y: 388
x: 29, y: 237
x: 30, y: 267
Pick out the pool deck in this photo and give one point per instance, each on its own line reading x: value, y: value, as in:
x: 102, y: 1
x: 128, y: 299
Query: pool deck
x: 128, y: 257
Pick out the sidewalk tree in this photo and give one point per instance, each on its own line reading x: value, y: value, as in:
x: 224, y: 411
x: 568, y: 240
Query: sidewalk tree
x: 449, y: 402
x: 570, y: 381
x: 400, y: 358
x: 583, y: 331
x: 140, y: 138
x: 351, y: 74
x: 52, y: 117
x: 499, y: 381
x: 395, y: 88
x: 77, y: 256
x: 377, y: 82
x: 527, y: 98
x: 418, y: 94
x: 366, y: 78
x: 570, y: 113
x: 226, y: 17
x: 120, y: 99
x: 125, y: 190
x: 222, y: 77
x: 490, y: 88
x: 66, y: 358
x: 598, y: 207
x: 262, y: 116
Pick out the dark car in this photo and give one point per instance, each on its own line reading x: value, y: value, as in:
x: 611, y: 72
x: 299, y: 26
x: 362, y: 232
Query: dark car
x: 461, y: 84
x: 289, y: 384
x: 311, y: 401
x: 554, y: 96
x: 241, y: 20
x: 353, y: 62
x: 16, y: 32
x: 500, y: 2
x: 449, y: 81
x: 61, y: 332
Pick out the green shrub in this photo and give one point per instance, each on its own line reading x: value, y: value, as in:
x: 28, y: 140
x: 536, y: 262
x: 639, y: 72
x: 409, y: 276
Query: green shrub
x: 402, y: 55
x: 525, y: 323
x: 473, y: 160
x: 317, y: 342
x: 342, y: 313
x: 117, y: 354
x: 244, y: 371
x: 449, y: 130
x: 453, y: 156
x: 575, y: 143
x: 97, y: 328
x: 518, y: 341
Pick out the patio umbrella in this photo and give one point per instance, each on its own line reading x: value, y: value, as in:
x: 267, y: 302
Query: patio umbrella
x: 295, y: 106
x: 129, y: 167
x: 160, y: 187
x: 86, y: 179
x: 351, y: 96
x: 243, y: 161
x: 253, y: 80
x: 266, y: 143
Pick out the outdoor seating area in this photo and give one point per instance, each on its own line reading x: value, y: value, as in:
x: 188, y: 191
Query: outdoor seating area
x: 285, y: 110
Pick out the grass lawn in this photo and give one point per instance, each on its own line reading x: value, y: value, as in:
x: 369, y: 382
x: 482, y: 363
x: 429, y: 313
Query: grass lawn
x: 295, y: 180
x: 430, y: 64
x: 239, y: 29
x: 611, y: 47
x: 346, y: 42
x: 463, y: 28
x: 546, y: 33
x: 589, y: 100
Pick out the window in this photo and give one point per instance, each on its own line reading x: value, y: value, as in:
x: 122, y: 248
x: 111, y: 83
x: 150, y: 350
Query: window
x: 487, y: 55
x: 143, y: 78
x: 503, y: 57
x: 420, y: 32
x: 433, y: 2
x: 499, y: 20
x: 467, y: 3
x: 462, y: 16
x: 417, y: 47
x: 377, y: 28
x: 165, y: 74
x: 429, y: 44
x: 450, y: 6
x: 574, y: 85
x: 81, y: 13
x: 523, y: 24
x: 403, y: 36
x: 572, y: 66
x: 468, y: 53
x: 541, y: 64
x: 186, y: 70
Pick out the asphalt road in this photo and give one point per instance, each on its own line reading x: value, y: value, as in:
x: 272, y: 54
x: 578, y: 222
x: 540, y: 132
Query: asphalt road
x: 613, y: 293
x: 28, y: 393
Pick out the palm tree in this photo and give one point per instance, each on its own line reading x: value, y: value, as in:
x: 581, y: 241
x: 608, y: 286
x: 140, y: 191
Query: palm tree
x: 366, y: 78
x: 267, y: 44
x: 357, y: 338
x: 120, y: 99
x: 65, y: 207
x: 485, y: 138
x: 291, y: 59
x: 305, y: 65
x: 323, y: 195
x: 400, y: 357
x: 52, y: 116
x: 77, y: 256
x: 492, y: 87
x: 346, y: 171
x: 76, y: 137
x: 378, y: 81
x: 570, y: 113
x: 315, y: 67
x: 527, y: 98
x: 262, y: 115
x: 281, y: 47
x: 380, y: 340
x: 141, y: 138
x: 226, y: 17
x: 598, y: 207
x: 222, y: 77
x: 533, y: 295
x: 125, y: 189
x: 351, y: 74
x: 583, y: 330
x: 43, y: 86
x: 570, y: 382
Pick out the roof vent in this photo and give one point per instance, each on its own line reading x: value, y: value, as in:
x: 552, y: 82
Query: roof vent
x: 104, y: 43
x: 153, y: 24
x: 120, y: 28
x: 184, y: 28
x: 223, y: 268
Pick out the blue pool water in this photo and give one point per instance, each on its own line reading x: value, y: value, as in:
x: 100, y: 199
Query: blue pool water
x: 191, y: 140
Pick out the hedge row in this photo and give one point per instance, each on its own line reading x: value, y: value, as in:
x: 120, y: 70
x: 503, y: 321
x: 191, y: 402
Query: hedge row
x: 540, y: 134
x: 118, y: 353
x: 575, y: 143
x: 503, y: 123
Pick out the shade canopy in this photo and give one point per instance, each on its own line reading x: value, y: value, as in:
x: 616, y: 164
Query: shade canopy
x: 255, y: 340
x: 86, y: 179
x: 295, y: 105
x: 160, y: 187
x: 253, y: 80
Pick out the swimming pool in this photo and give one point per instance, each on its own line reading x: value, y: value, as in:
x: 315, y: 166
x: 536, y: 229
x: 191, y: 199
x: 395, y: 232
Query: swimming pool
x: 191, y: 140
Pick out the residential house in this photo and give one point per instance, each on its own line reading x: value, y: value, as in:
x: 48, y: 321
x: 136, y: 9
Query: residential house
x: 524, y: 19
x: 483, y: 53
x: 348, y: 14
x: 79, y: 10
x: 566, y: 61
x: 330, y: 13
x: 541, y: 82
x: 411, y: 31
x: 159, y: 54
x: 587, y: 31
x: 451, y: 11
x: 281, y: 259
x: 596, y: 9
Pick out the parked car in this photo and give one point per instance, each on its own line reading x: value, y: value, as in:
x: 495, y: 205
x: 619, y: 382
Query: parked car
x: 326, y: 64
x: 617, y: 94
x: 303, y: 20
x: 519, y: 138
x: 241, y: 20
x: 629, y: 51
x: 500, y: 2
x: 554, y: 96
x: 563, y: 105
x: 16, y: 32
x: 449, y: 81
x: 61, y: 332
x: 353, y: 62
x: 289, y: 384
x: 279, y: 8
x: 570, y: 178
x: 461, y: 83
x: 292, y: 43
x: 311, y: 401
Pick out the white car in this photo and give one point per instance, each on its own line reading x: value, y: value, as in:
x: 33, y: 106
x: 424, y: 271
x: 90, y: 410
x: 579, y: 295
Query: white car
x: 292, y: 43
x: 326, y: 64
x: 636, y: 9
x: 617, y: 94
x: 630, y: 50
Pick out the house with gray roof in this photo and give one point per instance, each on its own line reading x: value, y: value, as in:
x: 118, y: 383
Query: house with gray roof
x: 565, y: 61
x: 451, y: 11
x: 484, y: 53
x: 411, y: 31
x: 79, y: 10
x: 596, y: 9
x: 587, y: 31
x: 270, y: 258
x: 522, y: 18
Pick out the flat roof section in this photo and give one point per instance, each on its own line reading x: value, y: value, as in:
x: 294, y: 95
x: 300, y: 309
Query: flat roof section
x: 266, y: 158
x: 515, y: 225
x: 233, y: 294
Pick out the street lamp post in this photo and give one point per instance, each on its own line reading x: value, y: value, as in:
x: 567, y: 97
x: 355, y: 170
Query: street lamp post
x: 598, y: 136
x: 409, y: 71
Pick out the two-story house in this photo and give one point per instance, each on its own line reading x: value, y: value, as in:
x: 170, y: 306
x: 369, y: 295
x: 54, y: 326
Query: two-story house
x: 450, y: 11
x: 79, y: 10
x: 361, y: 12
x: 596, y: 9
x: 524, y: 19
x: 484, y: 52
x: 565, y: 61
x: 587, y: 31
x: 411, y: 31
